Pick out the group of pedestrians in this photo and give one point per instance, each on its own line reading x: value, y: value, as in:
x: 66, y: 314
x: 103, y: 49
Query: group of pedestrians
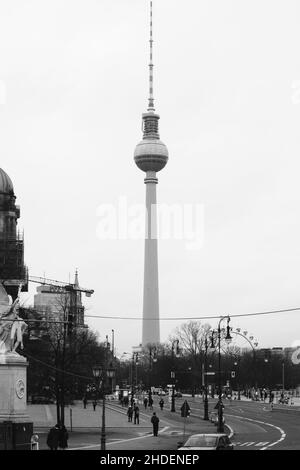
x: 57, y: 437
x: 133, y: 411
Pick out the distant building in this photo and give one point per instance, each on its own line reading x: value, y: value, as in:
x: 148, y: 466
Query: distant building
x: 12, y: 269
x: 58, y: 303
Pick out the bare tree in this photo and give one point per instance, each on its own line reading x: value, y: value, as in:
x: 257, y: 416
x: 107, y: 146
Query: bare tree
x: 191, y: 336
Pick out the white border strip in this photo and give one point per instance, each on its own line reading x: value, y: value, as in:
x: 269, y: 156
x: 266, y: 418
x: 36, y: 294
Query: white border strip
x: 283, y: 434
x: 230, y: 430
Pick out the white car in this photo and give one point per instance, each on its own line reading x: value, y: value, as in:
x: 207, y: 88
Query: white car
x: 110, y: 397
x: 207, y: 442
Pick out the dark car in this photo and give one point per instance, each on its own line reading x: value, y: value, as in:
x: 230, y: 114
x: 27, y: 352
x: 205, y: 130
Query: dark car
x: 178, y: 394
x: 207, y: 442
x: 41, y: 400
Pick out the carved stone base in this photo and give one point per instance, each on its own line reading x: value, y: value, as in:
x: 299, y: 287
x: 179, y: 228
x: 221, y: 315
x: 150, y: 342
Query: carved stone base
x: 13, y: 388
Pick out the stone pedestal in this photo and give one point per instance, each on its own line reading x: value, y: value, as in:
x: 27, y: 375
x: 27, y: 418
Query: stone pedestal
x: 13, y: 402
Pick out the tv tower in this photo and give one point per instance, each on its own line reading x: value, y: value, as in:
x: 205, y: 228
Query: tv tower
x: 151, y: 155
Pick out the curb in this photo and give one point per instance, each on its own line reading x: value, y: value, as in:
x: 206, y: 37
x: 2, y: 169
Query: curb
x: 231, y: 431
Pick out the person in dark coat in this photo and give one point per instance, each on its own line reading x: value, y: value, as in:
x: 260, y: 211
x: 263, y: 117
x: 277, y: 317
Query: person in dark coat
x: 161, y: 403
x: 145, y: 402
x: 94, y: 404
x: 136, y: 415
x: 151, y: 403
x: 84, y: 401
x: 155, y: 421
x: 53, y: 437
x: 130, y: 413
x: 63, y: 437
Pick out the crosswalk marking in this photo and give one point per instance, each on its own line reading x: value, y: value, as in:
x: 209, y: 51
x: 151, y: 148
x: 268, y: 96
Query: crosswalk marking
x: 252, y: 443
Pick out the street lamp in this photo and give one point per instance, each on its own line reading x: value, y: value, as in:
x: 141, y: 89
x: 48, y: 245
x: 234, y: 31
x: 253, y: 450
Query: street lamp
x: 135, y: 358
x: 102, y: 372
x: 98, y: 372
x: 152, y: 360
x: 228, y: 339
x: 283, y: 384
x: 237, y: 365
x: 209, y: 336
x: 206, y: 418
x: 176, y: 341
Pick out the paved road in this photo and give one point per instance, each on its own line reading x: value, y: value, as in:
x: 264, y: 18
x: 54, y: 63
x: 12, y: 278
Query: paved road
x: 253, y: 424
x: 256, y: 426
x: 120, y: 434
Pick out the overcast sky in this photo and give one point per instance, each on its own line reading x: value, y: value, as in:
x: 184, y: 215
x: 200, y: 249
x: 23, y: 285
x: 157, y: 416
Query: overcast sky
x: 227, y: 87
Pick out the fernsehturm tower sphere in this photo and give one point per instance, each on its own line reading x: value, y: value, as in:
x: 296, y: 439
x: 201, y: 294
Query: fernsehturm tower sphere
x: 151, y: 155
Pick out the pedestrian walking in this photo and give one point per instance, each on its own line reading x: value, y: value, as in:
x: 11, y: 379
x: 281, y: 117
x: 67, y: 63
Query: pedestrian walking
x: 53, y: 437
x: 136, y: 415
x: 155, y: 423
x: 63, y: 437
x: 94, y: 404
x: 130, y: 413
x: 161, y: 403
x: 151, y: 403
x: 84, y: 401
x: 145, y: 402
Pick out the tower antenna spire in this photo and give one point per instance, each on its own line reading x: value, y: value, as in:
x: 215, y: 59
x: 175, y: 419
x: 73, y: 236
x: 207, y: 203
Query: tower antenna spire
x: 151, y: 98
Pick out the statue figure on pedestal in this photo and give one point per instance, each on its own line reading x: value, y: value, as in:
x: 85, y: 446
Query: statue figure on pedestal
x: 12, y: 326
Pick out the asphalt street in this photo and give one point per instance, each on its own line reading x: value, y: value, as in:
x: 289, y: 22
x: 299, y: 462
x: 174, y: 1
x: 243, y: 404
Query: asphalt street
x: 251, y: 425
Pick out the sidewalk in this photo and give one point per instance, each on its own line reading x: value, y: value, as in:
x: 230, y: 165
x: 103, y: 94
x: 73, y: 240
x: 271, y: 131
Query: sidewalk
x: 120, y: 434
x: 76, y: 417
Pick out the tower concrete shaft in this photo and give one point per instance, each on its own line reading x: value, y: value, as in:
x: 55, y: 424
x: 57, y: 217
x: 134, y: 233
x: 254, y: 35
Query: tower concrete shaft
x: 151, y: 333
x: 151, y: 155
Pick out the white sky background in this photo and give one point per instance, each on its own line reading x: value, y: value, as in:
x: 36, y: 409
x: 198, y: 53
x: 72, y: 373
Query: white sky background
x: 227, y: 81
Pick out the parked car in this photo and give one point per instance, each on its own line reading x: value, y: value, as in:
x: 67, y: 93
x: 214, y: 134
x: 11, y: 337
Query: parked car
x: 110, y: 397
x: 158, y: 391
x: 207, y: 442
x: 178, y: 394
x: 41, y: 400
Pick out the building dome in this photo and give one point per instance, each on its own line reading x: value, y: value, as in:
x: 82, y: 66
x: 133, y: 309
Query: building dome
x: 151, y: 155
x: 6, y: 186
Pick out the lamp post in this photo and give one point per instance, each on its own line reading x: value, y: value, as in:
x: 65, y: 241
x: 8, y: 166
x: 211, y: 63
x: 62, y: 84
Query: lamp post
x: 135, y: 358
x: 228, y: 340
x: 98, y: 372
x: 210, y: 334
x: 152, y: 360
x: 237, y: 365
x: 104, y: 373
x: 206, y: 418
x: 176, y: 341
x: 283, y: 384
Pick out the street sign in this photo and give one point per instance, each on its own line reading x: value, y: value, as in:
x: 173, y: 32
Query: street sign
x: 210, y: 373
x: 233, y: 374
x: 185, y: 409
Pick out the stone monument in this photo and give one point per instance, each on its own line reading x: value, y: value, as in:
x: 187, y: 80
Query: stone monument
x: 16, y: 427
